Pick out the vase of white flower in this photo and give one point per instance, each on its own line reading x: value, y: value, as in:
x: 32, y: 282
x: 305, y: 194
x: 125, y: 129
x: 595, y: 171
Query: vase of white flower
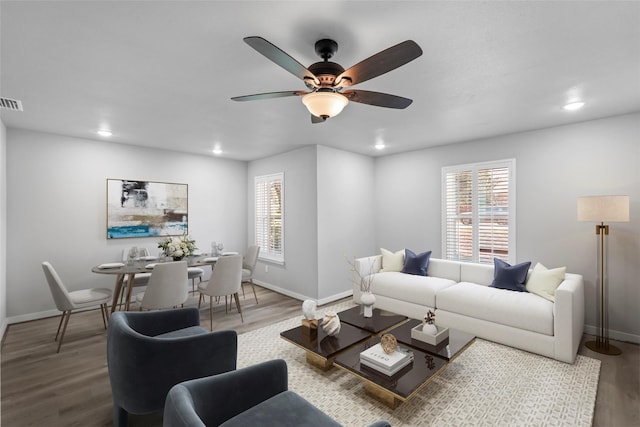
x: 429, y: 326
x: 365, y: 279
x: 177, y: 247
x: 368, y: 300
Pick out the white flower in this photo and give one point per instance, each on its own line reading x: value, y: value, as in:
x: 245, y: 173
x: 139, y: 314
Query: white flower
x: 178, y: 247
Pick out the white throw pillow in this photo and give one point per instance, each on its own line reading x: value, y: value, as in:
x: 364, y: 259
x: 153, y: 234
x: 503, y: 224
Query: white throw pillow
x: 392, y: 261
x: 544, y: 282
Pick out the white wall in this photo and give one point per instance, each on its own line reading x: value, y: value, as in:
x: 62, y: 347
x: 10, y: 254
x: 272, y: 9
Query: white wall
x: 328, y: 214
x: 3, y: 229
x: 298, y: 277
x: 345, y: 217
x: 56, y: 209
x: 554, y: 167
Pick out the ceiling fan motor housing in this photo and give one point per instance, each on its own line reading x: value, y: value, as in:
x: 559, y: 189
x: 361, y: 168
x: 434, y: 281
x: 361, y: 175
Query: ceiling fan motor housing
x: 326, y: 72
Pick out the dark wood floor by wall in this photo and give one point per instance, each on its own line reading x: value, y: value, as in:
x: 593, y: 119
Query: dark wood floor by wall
x: 42, y: 388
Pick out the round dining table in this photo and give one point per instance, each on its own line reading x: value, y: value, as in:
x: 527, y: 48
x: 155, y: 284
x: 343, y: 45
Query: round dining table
x: 129, y: 270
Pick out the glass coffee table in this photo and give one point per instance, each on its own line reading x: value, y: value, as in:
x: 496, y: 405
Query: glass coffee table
x: 428, y: 362
x: 377, y: 324
x: 448, y: 349
x: 322, y: 348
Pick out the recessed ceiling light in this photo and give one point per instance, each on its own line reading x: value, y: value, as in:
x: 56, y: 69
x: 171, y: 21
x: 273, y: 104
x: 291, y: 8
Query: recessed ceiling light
x: 217, y: 151
x: 104, y: 132
x: 379, y: 146
x: 574, y: 106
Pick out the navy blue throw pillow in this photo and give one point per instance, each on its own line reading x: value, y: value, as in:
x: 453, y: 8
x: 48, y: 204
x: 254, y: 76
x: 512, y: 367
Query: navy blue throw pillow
x: 416, y: 264
x: 511, y: 277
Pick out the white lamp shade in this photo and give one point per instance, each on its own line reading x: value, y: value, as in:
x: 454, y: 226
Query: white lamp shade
x: 603, y: 208
x: 325, y: 104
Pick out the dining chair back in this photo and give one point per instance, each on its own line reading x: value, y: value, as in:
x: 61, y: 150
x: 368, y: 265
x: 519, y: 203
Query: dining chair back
x: 248, y: 266
x: 167, y: 286
x: 141, y: 279
x: 225, y: 280
x: 67, y: 301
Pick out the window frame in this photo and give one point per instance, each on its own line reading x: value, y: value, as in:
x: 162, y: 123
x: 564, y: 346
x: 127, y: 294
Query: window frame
x: 267, y: 253
x: 473, y: 168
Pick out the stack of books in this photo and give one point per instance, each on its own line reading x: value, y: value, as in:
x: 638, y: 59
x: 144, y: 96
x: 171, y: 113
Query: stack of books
x: 374, y: 357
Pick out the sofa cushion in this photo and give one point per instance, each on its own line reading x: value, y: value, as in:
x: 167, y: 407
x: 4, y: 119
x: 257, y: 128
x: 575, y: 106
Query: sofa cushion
x: 392, y: 261
x: 511, y: 277
x: 416, y: 264
x: 520, y: 310
x: 410, y: 288
x: 544, y: 282
x: 481, y: 274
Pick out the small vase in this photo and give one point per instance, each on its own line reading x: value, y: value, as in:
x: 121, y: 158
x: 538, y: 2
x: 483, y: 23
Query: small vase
x: 430, y: 329
x: 177, y: 258
x: 368, y: 300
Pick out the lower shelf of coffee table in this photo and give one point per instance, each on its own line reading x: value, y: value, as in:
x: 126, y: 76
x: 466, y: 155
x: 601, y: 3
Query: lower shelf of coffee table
x: 391, y: 390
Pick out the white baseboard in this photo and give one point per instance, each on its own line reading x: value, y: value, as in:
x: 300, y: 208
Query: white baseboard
x: 614, y: 335
x: 32, y: 316
x: 3, y: 328
x: 302, y: 297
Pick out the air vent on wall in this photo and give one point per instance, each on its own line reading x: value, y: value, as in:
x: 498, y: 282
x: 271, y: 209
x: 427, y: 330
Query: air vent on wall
x: 11, y: 104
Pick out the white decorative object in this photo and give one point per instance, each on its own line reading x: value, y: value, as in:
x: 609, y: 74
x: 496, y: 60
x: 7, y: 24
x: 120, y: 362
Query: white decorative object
x: 430, y: 329
x: 331, y: 323
x: 309, y: 309
x: 429, y: 325
x: 368, y: 300
x: 433, y: 339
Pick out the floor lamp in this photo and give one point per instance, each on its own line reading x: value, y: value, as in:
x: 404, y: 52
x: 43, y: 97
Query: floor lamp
x: 603, y: 209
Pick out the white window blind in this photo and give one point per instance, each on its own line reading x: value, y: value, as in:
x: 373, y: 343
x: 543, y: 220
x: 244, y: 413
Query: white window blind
x: 478, y: 212
x: 269, y: 226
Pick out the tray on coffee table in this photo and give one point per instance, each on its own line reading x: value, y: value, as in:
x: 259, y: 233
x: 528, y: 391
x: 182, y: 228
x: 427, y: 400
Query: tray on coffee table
x: 448, y: 349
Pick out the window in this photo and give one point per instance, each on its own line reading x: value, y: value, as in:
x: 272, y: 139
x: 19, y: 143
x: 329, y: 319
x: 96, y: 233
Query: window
x: 478, y: 212
x: 269, y: 232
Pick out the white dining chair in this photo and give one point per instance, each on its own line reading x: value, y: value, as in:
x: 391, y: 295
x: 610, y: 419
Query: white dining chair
x: 225, y: 280
x: 167, y: 287
x: 194, y: 273
x: 67, y: 301
x: 248, y: 266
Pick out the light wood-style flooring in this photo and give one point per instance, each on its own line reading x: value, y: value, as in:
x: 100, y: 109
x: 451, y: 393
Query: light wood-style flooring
x: 42, y: 388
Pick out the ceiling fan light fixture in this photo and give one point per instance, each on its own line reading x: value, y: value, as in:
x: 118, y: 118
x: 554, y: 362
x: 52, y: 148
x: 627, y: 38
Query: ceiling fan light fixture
x: 325, y: 104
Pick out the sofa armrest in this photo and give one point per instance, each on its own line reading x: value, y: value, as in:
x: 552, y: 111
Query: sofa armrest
x: 568, y: 312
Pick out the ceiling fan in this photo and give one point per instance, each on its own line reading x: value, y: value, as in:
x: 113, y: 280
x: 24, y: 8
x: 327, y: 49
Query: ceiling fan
x: 326, y: 80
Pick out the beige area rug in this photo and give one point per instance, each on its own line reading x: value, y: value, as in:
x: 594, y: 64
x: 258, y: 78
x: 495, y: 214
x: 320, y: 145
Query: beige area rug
x: 488, y: 385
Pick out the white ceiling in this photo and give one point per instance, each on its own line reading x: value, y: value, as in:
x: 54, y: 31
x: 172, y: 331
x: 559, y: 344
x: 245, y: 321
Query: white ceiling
x: 160, y: 74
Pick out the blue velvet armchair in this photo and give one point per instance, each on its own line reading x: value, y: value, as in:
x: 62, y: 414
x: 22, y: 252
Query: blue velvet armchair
x: 150, y: 352
x: 254, y: 396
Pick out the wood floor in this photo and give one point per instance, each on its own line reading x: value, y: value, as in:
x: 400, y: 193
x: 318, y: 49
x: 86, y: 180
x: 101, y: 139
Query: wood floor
x: 42, y: 388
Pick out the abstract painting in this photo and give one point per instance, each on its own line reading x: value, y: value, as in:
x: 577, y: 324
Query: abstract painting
x: 146, y: 209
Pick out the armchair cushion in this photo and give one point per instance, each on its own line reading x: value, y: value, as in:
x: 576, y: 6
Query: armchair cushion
x: 284, y: 409
x: 143, y: 367
x: 254, y: 396
x: 184, y: 332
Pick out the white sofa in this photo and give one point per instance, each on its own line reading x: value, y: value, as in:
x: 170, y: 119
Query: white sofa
x: 461, y: 297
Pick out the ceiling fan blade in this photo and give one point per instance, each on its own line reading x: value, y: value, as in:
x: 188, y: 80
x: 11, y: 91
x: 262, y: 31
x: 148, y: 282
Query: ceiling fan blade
x: 281, y: 58
x: 380, y: 63
x: 377, y: 98
x: 316, y: 119
x: 269, y: 95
